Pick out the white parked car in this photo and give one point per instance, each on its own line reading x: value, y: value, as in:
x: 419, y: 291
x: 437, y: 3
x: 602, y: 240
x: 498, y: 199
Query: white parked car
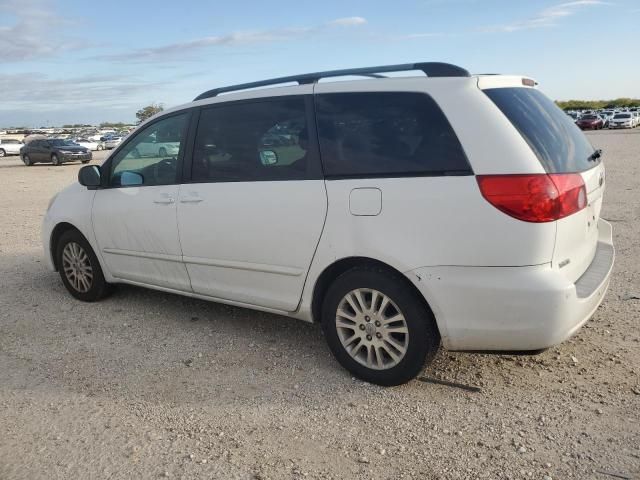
x: 111, y: 142
x: 9, y: 146
x: 151, y: 146
x: 89, y: 144
x: 389, y: 216
x: 622, y: 120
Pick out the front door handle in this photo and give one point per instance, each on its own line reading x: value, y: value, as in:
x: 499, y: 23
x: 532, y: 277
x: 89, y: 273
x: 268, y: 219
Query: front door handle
x: 192, y: 197
x: 164, y: 199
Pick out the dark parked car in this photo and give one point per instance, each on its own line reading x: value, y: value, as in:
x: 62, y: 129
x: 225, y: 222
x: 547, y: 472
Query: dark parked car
x: 590, y: 122
x: 53, y: 150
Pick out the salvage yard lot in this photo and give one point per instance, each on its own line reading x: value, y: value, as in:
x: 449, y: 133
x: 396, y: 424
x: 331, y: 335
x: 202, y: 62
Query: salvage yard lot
x: 146, y: 384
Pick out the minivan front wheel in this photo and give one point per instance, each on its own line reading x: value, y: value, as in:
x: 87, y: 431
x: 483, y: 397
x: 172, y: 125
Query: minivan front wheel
x: 378, y: 327
x: 55, y: 159
x: 79, y: 268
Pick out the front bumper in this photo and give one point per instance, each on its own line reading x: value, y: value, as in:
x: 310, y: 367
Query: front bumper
x: 514, y: 308
x: 71, y: 157
x: 45, y: 234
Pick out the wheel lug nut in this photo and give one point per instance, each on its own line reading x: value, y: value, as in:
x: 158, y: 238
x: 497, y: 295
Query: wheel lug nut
x: 378, y: 335
x: 368, y: 319
x: 369, y: 337
x: 361, y: 327
x: 377, y: 323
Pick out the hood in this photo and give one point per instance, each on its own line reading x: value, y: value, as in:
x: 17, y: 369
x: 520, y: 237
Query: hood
x: 72, y: 148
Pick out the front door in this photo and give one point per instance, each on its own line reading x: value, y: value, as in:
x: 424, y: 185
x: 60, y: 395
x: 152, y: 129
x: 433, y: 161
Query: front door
x: 251, y: 218
x: 134, y: 218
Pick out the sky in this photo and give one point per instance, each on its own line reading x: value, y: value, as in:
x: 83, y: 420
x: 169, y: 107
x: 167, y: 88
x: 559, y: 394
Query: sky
x: 78, y: 61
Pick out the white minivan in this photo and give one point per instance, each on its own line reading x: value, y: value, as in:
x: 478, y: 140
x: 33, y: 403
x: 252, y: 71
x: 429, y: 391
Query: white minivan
x: 401, y: 213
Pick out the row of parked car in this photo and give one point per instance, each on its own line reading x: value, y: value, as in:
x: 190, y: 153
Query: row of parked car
x: 56, y: 150
x: 596, y: 120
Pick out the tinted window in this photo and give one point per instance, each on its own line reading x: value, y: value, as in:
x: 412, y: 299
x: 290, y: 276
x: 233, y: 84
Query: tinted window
x: 386, y: 133
x: 559, y: 144
x: 254, y: 141
x: 151, y: 156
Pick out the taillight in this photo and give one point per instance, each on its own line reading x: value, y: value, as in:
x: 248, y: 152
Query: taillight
x: 537, y: 197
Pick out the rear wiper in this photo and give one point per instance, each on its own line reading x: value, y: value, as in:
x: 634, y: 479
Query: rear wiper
x: 595, y: 156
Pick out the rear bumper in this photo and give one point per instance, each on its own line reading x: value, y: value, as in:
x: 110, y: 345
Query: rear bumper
x: 514, y: 308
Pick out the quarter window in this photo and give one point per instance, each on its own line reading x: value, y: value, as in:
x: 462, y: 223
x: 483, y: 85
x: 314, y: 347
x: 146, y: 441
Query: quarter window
x: 151, y: 156
x: 254, y: 141
x: 386, y: 133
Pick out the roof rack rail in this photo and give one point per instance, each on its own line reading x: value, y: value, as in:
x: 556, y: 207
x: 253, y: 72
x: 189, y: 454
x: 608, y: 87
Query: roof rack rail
x: 431, y: 69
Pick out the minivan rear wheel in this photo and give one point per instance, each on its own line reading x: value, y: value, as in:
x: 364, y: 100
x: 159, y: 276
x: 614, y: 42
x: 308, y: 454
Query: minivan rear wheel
x: 79, y: 268
x: 378, y: 327
x: 26, y: 159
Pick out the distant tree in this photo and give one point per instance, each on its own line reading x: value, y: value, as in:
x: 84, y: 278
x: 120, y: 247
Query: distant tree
x: 594, y: 104
x: 148, y: 111
x: 112, y: 125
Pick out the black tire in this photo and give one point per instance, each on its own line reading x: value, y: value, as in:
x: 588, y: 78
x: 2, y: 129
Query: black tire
x: 423, y: 336
x: 85, y: 161
x: 55, y: 159
x: 2, y: 152
x: 162, y: 152
x: 26, y: 159
x: 98, y: 288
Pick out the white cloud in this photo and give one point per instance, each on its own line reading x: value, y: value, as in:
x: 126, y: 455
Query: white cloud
x: 36, y: 31
x: 549, y: 17
x: 181, y: 50
x: 35, y: 90
x: 347, y: 22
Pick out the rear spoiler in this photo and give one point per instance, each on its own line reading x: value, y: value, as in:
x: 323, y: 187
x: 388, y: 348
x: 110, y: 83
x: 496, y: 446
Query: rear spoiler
x: 501, y: 81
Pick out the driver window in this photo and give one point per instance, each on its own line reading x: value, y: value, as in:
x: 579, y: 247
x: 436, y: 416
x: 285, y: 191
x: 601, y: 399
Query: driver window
x: 151, y: 156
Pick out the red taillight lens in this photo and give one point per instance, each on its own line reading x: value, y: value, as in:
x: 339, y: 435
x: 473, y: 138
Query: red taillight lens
x: 535, y: 198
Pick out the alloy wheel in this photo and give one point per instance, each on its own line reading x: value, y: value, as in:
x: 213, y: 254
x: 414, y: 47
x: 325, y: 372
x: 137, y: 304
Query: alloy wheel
x: 372, y: 329
x: 77, y: 267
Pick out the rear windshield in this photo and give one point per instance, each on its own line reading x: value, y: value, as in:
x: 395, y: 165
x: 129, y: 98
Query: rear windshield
x: 559, y: 144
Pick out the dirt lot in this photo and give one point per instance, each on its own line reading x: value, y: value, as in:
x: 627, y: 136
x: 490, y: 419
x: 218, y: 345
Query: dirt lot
x: 150, y: 385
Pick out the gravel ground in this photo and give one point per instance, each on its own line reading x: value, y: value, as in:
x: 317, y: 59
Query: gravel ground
x: 150, y: 385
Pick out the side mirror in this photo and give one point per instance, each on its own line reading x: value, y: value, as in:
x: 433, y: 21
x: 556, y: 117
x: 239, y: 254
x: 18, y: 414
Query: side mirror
x: 89, y: 176
x: 129, y: 179
x: 268, y: 157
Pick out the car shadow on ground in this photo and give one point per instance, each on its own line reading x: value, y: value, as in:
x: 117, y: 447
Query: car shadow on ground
x: 158, y: 347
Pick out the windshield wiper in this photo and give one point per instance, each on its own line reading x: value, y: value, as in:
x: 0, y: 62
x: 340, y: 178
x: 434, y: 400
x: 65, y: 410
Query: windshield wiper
x: 594, y: 156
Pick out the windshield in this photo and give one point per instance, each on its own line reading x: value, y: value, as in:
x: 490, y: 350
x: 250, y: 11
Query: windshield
x: 60, y: 142
x: 590, y: 117
x: 622, y: 115
x: 557, y: 142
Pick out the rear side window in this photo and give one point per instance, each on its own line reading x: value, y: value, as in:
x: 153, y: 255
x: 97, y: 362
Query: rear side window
x: 559, y: 144
x: 386, y: 134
